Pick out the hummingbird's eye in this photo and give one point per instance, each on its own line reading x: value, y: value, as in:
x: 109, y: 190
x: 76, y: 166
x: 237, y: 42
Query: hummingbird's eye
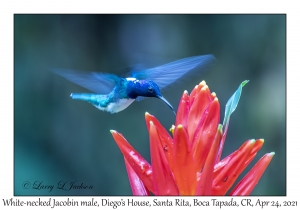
x: 150, y: 89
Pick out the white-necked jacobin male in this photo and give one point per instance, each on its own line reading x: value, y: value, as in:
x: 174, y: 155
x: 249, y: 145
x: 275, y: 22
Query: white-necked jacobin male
x: 114, y: 94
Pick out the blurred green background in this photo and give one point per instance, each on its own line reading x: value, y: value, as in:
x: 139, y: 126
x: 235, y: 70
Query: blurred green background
x: 59, y: 139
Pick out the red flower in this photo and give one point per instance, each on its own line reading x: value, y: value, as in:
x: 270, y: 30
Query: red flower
x: 189, y: 163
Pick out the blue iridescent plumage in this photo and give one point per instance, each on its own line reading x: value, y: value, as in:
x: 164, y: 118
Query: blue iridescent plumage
x: 113, y: 93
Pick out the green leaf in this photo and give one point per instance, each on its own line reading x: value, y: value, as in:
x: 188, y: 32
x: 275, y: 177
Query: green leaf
x: 232, y: 104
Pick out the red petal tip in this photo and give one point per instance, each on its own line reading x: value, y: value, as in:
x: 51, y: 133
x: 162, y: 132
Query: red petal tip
x: 251, y: 141
x: 261, y: 140
x: 204, y: 87
x: 271, y: 154
x: 202, y: 83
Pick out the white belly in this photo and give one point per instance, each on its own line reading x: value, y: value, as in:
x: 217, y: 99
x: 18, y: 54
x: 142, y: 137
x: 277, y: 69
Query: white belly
x: 117, y: 107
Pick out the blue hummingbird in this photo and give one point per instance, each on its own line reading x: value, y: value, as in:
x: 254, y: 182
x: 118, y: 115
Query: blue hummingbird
x: 113, y: 93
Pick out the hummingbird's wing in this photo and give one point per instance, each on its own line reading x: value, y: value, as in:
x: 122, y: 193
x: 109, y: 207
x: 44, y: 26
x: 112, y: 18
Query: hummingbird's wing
x: 101, y: 83
x: 169, y: 73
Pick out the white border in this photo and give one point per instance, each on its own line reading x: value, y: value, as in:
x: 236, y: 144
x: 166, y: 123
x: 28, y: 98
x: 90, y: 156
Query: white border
x: 8, y: 8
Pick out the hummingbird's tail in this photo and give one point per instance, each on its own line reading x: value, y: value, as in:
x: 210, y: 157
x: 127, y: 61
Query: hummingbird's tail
x: 81, y: 96
x: 103, y: 102
x: 94, y: 99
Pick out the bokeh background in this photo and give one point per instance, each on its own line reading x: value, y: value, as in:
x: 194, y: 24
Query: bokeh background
x: 59, y: 139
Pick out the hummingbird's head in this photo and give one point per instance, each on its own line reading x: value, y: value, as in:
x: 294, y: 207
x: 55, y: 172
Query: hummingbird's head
x: 148, y: 88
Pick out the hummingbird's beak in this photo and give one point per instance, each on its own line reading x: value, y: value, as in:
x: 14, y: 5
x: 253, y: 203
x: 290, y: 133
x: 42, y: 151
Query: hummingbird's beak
x: 165, y: 100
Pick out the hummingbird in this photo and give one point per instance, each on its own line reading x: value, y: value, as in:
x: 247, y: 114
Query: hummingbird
x: 113, y: 93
